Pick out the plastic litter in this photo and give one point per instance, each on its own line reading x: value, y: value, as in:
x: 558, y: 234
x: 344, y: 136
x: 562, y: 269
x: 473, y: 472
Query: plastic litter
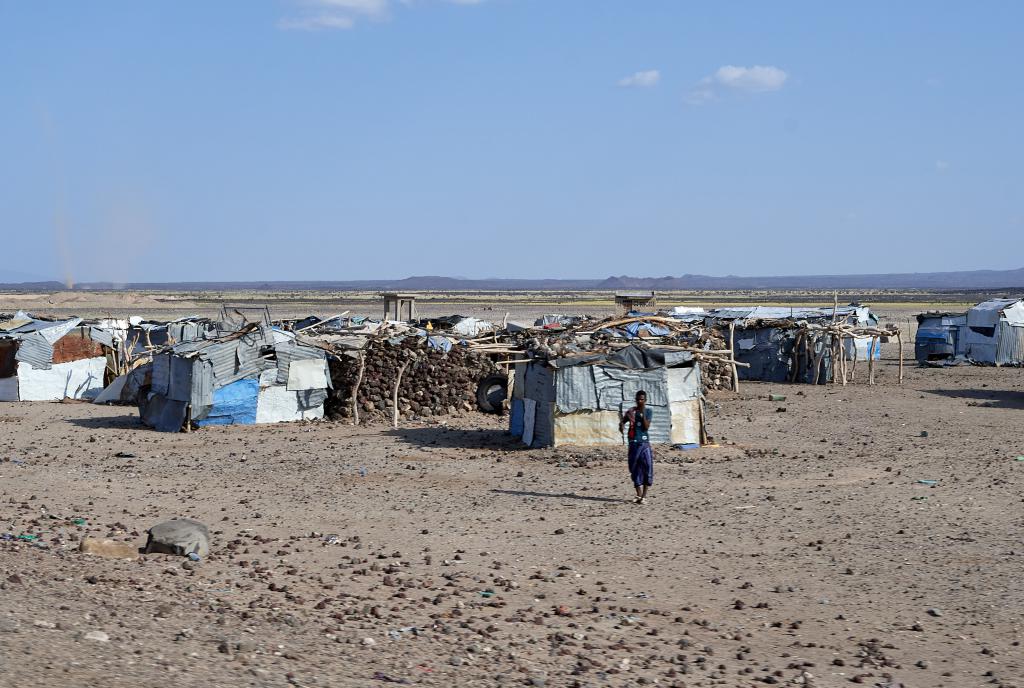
x: 486, y: 593
x: 686, y: 447
x: 776, y: 397
x: 362, y: 472
x: 28, y: 538
x: 1020, y: 458
x: 78, y: 521
x: 193, y: 556
x: 928, y: 482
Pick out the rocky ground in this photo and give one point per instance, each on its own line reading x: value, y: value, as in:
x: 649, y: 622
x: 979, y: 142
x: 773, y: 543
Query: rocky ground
x: 803, y: 550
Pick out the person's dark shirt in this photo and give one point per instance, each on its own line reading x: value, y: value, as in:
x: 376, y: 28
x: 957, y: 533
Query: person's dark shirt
x: 637, y: 434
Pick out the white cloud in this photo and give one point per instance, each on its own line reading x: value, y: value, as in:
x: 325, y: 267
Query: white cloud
x: 643, y: 79
x: 756, y: 79
x: 317, y: 15
x: 316, y: 22
x: 942, y: 166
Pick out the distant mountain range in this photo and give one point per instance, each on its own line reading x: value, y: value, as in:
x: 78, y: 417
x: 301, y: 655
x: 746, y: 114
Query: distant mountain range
x: 975, y: 279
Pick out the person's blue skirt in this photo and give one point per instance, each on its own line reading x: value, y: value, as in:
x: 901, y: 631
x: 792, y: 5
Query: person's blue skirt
x: 641, y: 464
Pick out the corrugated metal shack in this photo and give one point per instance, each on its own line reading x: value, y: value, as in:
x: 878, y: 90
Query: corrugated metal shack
x: 255, y: 375
x: 579, y: 400
x: 143, y: 335
x: 50, y: 360
x: 780, y: 344
x: 994, y: 333
x: 940, y: 337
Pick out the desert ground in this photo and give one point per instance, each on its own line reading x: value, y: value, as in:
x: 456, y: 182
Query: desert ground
x: 801, y: 550
x: 493, y: 305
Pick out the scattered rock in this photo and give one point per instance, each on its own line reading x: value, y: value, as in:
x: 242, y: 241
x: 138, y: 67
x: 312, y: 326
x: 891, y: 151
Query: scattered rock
x: 182, y: 537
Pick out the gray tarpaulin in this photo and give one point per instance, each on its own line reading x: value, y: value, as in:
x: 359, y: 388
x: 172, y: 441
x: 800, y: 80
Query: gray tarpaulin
x: 654, y: 382
x: 290, y: 351
x: 635, y: 358
x: 179, y: 387
x: 575, y: 389
x: 165, y: 415
x: 202, y: 388
x: 609, y: 389
x: 311, y: 398
x: 104, y: 337
x: 539, y: 383
x: 222, y: 356
x: 36, y: 350
x: 56, y: 331
x: 161, y: 373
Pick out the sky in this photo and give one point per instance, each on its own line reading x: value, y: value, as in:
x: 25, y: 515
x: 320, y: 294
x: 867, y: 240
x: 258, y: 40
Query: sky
x: 363, y: 139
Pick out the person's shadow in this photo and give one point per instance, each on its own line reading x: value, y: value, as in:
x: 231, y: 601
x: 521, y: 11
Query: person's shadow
x: 562, y: 495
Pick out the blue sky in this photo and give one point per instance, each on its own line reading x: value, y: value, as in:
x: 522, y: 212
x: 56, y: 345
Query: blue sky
x: 356, y: 139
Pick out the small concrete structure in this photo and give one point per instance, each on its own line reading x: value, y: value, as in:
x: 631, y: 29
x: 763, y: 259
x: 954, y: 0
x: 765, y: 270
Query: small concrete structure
x: 395, y: 304
x: 635, y: 301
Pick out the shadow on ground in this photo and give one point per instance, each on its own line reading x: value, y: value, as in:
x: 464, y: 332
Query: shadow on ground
x: 561, y: 495
x: 990, y: 398
x: 456, y: 439
x: 129, y: 422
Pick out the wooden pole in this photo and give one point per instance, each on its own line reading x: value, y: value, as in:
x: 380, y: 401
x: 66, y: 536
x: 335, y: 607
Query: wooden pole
x: 510, y: 381
x: 355, y: 390
x: 732, y: 357
x: 871, y: 361
x: 899, y: 338
x: 394, y: 396
x: 818, y: 358
x: 796, y: 357
x: 841, y: 351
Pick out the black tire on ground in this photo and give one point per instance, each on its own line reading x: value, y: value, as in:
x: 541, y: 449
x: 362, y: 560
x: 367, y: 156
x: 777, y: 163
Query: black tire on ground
x: 491, y: 393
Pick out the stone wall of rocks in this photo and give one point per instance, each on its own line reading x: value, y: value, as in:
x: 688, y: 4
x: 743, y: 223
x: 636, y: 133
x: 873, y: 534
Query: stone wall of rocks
x: 434, y: 383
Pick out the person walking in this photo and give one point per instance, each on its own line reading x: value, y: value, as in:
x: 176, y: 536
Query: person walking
x: 641, y: 457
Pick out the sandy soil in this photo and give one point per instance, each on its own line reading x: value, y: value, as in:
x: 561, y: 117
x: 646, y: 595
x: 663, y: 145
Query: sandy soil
x: 801, y: 551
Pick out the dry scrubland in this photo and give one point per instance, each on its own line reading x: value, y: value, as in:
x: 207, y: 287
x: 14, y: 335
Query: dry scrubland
x: 801, y: 551
x: 522, y: 305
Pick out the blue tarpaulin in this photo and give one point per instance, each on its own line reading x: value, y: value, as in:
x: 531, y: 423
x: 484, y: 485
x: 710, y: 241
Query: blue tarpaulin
x: 516, y: 417
x: 234, y: 404
x: 440, y: 343
x: 635, y: 328
x: 924, y: 333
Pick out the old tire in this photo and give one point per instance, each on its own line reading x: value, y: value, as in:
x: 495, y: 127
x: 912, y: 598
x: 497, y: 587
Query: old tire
x: 491, y: 393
